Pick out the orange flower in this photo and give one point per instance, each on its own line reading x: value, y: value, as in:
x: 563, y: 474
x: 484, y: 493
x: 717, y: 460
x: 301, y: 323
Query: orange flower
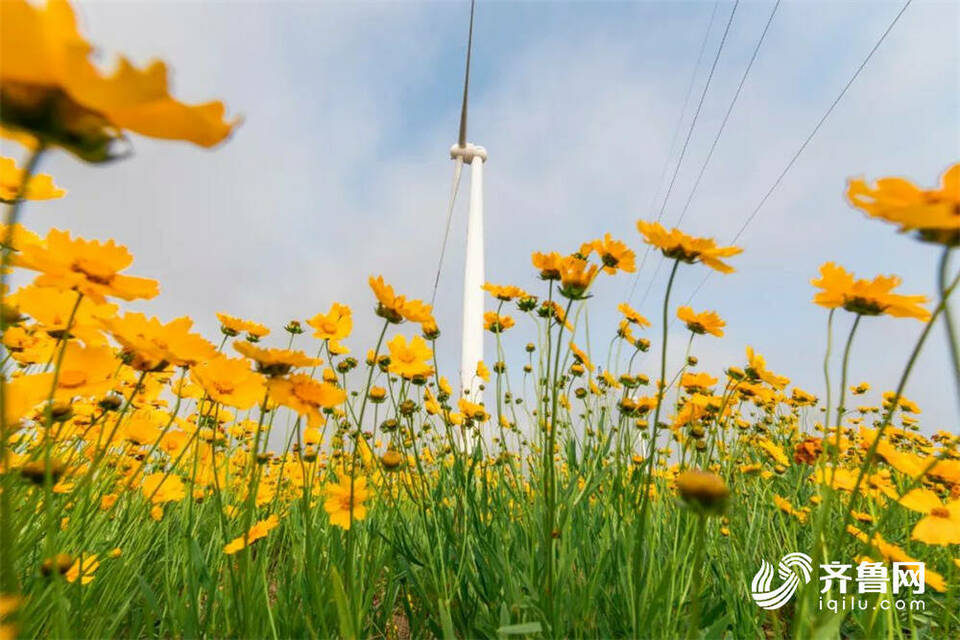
x: 306, y: 396
x: 52, y: 308
x: 52, y: 90
x: 702, y: 323
x: 548, y: 264
x: 229, y: 381
x: 411, y: 359
x: 679, y: 246
x: 83, y: 569
x: 39, y: 187
x: 335, y: 325
x: 866, y: 297
x: 150, y: 345
x: 86, y: 266
x: 344, y: 501
x: 496, y: 323
x: 259, y: 530
x: 941, y: 523
x: 276, y: 362
x: 160, y: 487
x: 576, y: 276
x: 757, y: 368
x: 613, y: 253
x: 504, y: 293
x: 389, y: 305
x: 933, y: 213
x: 632, y: 316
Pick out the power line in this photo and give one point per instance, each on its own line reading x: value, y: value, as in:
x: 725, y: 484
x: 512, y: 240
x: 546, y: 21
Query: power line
x: 676, y: 132
x: 806, y: 142
x: 686, y: 142
x: 713, y: 147
x: 716, y: 140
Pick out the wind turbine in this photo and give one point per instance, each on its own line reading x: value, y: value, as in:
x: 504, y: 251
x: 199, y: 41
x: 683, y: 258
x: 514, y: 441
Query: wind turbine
x: 463, y: 152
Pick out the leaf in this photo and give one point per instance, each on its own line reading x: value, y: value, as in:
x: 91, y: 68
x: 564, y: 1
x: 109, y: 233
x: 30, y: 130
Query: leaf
x: 522, y: 629
x: 447, y: 621
x: 343, y: 608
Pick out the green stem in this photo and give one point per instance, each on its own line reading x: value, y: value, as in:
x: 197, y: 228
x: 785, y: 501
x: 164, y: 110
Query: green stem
x: 948, y: 316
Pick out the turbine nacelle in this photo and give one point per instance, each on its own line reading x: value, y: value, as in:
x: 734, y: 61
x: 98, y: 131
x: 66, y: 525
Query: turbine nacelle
x: 468, y: 152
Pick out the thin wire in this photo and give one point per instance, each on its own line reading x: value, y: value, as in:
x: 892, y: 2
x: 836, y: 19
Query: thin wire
x: 713, y: 147
x: 462, y: 143
x: 806, y: 142
x: 686, y: 142
x: 446, y: 233
x: 716, y: 140
x: 676, y: 133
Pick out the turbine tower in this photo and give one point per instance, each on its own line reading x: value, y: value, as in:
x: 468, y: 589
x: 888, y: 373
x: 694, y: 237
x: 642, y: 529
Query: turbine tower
x: 463, y: 152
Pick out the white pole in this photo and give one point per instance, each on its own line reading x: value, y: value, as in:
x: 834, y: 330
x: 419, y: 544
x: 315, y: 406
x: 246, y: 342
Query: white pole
x: 471, y: 350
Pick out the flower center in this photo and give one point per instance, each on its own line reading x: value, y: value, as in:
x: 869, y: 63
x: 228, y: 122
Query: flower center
x: 94, y: 271
x: 329, y: 326
x: 939, y: 512
x: 223, y: 386
x: 864, y: 306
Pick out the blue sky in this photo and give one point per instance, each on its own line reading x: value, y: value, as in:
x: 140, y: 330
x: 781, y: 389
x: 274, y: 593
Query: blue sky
x: 341, y: 168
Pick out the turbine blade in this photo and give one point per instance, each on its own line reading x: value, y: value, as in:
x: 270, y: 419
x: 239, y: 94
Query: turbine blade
x: 462, y: 139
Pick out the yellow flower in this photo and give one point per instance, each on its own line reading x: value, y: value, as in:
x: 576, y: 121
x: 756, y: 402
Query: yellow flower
x: 160, y: 487
x: 472, y: 410
x: 905, y: 404
x: 39, y: 187
x: 86, y: 266
x: 409, y: 359
x: 52, y: 308
x: 496, y: 323
x: 335, y: 325
x: 505, y: 293
x: 20, y: 237
x: 613, y: 253
x: 344, y: 503
x: 860, y: 389
x: 232, y: 326
x: 53, y: 91
x: 702, y: 323
x: 150, y: 345
x: 416, y: 311
x: 229, y: 381
x: 83, y: 569
x: 933, y: 213
x: 941, y: 522
x: 632, y: 316
x: 548, y: 264
x: 22, y: 394
x: 697, y: 381
x: 679, y: 246
x: 757, y: 369
x: 785, y: 506
x: 388, y: 303
x: 276, y: 362
x: 576, y: 276
x: 306, y: 396
x: 482, y: 371
x: 259, y: 530
x: 703, y: 490
x: 866, y: 297
x: 581, y: 357
x: 801, y: 398
x: 86, y: 371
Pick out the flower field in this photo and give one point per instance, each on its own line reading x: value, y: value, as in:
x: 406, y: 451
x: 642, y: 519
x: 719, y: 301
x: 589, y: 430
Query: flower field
x: 155, y: 482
